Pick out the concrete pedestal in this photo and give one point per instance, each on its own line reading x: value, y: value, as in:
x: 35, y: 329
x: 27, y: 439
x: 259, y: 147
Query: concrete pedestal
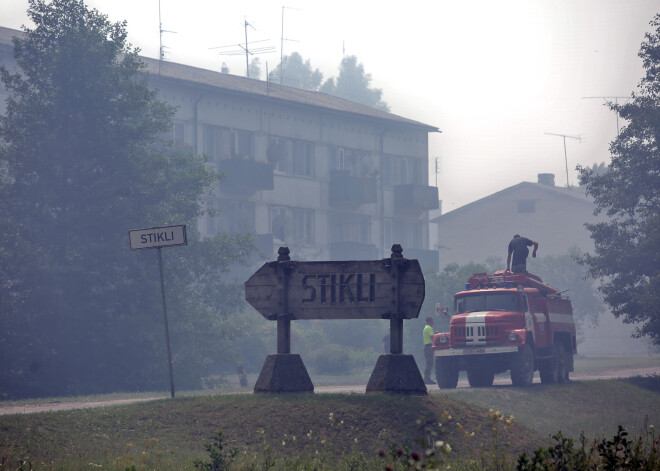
x: 397, y: 374
x: 283, y: 373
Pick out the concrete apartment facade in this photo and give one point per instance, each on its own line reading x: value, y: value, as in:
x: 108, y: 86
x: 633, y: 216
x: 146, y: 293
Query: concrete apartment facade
x: 330, y: 178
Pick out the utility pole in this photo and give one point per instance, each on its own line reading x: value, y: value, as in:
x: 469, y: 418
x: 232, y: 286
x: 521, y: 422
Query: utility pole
x: 616, y: 102
x: 564, y: 136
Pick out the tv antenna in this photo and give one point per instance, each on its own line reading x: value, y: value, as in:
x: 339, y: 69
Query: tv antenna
x: 616, y: 102
x: 245, y: 49
x: 282, y: 43
x: 564, y: 136
x: 161, y: 48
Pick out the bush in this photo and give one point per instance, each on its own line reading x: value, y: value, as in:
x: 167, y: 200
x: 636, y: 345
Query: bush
x: 331, y: 359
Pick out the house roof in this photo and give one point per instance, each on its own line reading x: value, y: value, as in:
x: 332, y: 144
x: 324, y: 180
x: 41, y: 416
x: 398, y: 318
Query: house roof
x: 574, y: 194
x: 256, y: 88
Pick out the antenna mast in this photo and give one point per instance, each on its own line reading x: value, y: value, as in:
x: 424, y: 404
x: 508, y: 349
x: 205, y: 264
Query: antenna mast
x: 564, y: 136
x: 282, y: 44
x: 245, y: 49
x: 616, y: 102
x: 161, y: 48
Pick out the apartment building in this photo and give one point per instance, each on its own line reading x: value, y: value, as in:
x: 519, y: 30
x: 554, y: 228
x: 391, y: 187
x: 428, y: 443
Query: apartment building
x: 327, y: 177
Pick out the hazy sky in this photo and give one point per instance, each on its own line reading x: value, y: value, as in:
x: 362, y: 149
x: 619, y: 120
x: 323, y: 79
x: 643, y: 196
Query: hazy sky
x: 494, y: 76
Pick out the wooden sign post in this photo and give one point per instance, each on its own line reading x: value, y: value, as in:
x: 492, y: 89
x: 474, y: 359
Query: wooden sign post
x: 285, y: 290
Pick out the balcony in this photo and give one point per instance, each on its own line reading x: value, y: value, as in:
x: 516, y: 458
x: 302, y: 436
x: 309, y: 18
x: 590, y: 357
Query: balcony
x: 349, y: 191
x: 353, y: 251
x: 415, y: 198
x: 245, y: 175
x: 428, y: 259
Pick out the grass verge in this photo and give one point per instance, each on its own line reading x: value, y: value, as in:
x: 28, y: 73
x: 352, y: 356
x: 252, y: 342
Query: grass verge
x: 325, y: 431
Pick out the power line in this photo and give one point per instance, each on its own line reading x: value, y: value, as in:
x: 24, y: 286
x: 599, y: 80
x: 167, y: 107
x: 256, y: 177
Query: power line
x: 564, y: 136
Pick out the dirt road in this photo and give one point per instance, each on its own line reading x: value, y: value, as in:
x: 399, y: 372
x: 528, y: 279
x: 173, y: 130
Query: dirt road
x: 15, y: 408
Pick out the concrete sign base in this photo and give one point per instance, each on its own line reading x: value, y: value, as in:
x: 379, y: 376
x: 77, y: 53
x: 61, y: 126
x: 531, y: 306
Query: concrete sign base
x: 397, y: 374
x: 283, y: 373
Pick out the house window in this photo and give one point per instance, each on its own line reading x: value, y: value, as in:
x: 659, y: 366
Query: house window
x: 526, y: 206
x: 224, y: 143
x: 350, y: 228
x: 291, y: 156
x: 292, y: 225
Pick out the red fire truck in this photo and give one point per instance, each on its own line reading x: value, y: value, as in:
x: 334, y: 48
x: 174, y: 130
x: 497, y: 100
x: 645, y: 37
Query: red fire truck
x: 505, y: 321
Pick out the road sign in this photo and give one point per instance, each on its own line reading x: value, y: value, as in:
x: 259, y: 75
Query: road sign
x: 158, y: 237
x: 337, y: 290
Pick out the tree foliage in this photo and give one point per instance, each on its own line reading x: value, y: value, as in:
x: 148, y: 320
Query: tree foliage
x: 627, y: 245
x: 79, y: 168
x: 354, y: 84
x: 564, y: 273
x: 296, y: 72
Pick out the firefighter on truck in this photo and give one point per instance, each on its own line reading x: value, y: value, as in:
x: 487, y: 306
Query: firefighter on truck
x: 506, y: 322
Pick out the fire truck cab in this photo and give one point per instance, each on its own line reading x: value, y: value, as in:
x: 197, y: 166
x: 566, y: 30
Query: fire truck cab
x: 506, y: 321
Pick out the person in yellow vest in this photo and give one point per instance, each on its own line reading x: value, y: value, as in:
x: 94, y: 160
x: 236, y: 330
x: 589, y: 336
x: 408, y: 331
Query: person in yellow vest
x: 427, y: 334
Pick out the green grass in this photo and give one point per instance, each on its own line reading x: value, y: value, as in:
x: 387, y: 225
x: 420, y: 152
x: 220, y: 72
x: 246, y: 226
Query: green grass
x: 329, y: 429
x: 603, y: 363
x: 593, y: 407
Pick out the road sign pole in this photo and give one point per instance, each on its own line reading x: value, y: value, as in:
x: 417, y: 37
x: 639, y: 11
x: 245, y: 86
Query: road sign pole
x: 167, y: 330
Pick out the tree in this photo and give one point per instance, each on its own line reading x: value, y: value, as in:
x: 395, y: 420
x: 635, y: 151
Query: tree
x: 627, y: 246
x: 254, y: 70
x: 79, y: 167
x: 355, y: 85
x: 293, y: 71
x: 565, y: 274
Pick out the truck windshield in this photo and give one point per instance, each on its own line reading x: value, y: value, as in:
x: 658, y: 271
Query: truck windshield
x: 487, y: 302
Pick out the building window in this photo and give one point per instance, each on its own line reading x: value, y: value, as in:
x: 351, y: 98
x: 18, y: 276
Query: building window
x: 224, y: 143
x: 350, y: 228
x: 399, y: 170
x: 178, y: 133
x: 407, y: 233
x: 291, y: 156
x: 387, y: 233
x: 234, y: 217
x: 292, y: 225
x: 526, y: 206
x: 353, y: 162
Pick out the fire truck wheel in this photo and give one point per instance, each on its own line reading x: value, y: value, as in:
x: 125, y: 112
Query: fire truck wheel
x: 522, y: 366
x: 480, y: 377
x: 548, y: 370
x: 446, y: 372
x: 561, y: 363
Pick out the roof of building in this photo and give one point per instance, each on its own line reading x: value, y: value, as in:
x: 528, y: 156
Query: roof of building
x: 245, y: 86
x: 574, y: 194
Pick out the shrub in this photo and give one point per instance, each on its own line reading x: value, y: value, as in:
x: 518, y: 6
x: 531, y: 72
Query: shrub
x: 331, y: 359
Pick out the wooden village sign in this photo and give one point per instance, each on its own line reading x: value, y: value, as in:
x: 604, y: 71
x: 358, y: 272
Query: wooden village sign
x: 286, y: 290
